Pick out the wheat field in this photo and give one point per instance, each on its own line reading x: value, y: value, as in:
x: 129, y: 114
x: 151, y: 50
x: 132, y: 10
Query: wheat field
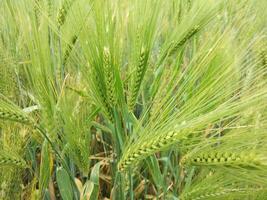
x: 133, y: 100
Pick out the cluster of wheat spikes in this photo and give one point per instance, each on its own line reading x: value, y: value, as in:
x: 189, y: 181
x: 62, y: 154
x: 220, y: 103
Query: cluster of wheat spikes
x: 142, y: 99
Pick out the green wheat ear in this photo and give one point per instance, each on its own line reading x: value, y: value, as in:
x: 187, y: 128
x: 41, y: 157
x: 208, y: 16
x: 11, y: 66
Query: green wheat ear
x: 226, y: 158
x: 102, y: 95
x: 37, y: 11
x: 146, y: 149
x: 138, y: 77
x: 69, y: 49
x: 10, y: 160
x: 9, y: 111
x: 63, y: 11
x: 109, y: 77
x: 219, y: 193
x: 175, y: 46
x: 14, y: 116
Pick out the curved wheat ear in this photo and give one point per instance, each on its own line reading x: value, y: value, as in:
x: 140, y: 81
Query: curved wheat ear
x: 69, y: 49
x: 227, y: 158
x: 109, y: 77
x: 63, y: 11
x: 176, y: 46
x: 173, y: 47
x: 147, y: 149
x: 138, y: 77
x: 8, y: 160
x: 223, y: 192
x: 11, y: 115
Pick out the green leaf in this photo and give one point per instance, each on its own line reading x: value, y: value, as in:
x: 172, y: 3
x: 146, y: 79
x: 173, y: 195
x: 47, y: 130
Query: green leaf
x: 91, y: 187
x: 64, y: 184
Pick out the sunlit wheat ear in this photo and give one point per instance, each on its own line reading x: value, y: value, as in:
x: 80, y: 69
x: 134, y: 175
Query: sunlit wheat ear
x: 217, y: 158
x: 109, y: 77
x: 69, y: 49
x: 138, y: 77
x: 10, y: 160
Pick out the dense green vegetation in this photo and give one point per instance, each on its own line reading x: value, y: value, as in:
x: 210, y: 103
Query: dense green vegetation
x: 141, y: 99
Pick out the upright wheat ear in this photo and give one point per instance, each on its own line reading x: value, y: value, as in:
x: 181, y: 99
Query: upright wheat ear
x: 7, y: 160
x: 63, y: 11
x: 138, y: 77
x: 37, y: 11
x: 102, y: 94
x: 109, y: 77
x: 69, y: 49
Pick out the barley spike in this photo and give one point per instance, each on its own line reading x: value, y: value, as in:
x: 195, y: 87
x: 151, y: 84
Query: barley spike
x: 147, y: 149
x: 176, y: 46
x: 14, y: 116
x: 69, y: 49
x: 109, y: 77
x: 225, y: 158
x: 219, y: 193
x: 63, y: 11
x: 6, y: 160
x: 138, y: 77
